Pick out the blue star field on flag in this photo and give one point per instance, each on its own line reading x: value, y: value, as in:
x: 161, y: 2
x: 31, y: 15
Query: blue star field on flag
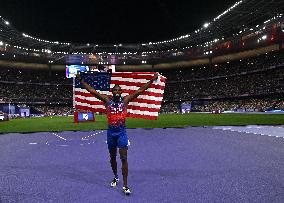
x: 97, y: 80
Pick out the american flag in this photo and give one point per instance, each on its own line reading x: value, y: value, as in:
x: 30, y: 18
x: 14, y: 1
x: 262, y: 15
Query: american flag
x: 147, y: 105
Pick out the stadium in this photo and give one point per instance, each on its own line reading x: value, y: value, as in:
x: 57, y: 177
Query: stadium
x: 217, y: 135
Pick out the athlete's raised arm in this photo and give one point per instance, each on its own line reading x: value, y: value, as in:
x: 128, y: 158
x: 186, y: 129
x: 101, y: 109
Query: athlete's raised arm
x: 130, y: 97
x: 102, y: 97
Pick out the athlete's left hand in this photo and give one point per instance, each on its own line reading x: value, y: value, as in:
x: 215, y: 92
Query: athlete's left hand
x: 155, y: 76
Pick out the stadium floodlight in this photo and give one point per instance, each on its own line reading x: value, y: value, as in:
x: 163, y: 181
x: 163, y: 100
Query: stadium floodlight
x: 264, y: 37
x: 206, y: 25
x: 7, y: 23
x: 1, y: 43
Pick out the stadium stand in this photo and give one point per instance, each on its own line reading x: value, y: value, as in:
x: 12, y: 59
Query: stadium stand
x: 252, y: 84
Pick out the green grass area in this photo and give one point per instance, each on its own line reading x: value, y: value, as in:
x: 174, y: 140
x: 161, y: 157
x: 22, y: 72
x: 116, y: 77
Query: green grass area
x: 48, y: 124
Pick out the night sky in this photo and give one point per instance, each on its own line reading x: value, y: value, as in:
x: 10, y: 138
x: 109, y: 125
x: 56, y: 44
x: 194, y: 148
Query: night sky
x: 106, y: 21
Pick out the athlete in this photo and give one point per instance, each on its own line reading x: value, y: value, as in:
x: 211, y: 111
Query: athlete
x: 116, y: 111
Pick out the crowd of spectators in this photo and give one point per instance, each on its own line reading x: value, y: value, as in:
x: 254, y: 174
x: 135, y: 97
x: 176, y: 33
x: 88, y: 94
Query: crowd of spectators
x: 252, y: 77
x: 240, y: 78
x: 258, y: 83
x: 13, y: 92
x: 170, y: 108
x: 247, y: 105
x: 229, y: 68
x: 52, y: 110
x: 240, y: 105
x: 27, y: 75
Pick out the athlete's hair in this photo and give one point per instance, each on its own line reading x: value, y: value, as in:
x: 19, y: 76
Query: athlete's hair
x: 116, y: 85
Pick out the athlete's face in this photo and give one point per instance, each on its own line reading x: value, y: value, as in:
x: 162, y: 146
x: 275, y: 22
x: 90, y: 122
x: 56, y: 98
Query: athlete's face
x: 116, y: 91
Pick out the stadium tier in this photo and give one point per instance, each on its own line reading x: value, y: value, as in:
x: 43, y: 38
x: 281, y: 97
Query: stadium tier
x: 254, y: 84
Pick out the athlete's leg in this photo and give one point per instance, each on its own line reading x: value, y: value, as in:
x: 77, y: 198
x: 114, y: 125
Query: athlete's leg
x: 113, y: 163
x: 112, y: 148
x: 123, y: 157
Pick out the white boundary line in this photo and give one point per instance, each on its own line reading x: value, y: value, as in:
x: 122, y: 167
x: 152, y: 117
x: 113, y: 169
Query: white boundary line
x: 253, y: 130
x: 62, y: 138
x: 86, y: 138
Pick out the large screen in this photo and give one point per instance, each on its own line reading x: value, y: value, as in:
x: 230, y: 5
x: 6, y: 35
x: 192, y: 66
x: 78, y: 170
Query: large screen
x: 72, y: 70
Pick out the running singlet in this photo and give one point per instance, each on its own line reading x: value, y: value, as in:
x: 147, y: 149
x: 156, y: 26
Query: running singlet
x: 116, y: 114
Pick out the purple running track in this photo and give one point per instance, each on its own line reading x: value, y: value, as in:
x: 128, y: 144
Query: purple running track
x: 193, y: 164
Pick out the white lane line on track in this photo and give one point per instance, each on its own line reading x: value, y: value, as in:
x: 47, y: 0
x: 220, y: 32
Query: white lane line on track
x: 62, y: 138
x: 271, y: 131
x: 63, y: 145
x: 86, y: 138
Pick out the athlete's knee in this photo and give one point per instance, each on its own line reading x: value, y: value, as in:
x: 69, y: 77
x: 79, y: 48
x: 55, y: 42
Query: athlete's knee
x: 112, y: 158
x: 123, y: 156
x: 112, y: 154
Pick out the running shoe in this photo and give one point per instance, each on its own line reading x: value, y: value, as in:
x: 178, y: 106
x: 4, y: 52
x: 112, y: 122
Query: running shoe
x: 114, y: 182
x: 126, y: 190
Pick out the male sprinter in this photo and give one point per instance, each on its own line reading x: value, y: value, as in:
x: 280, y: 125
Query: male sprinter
x: 116, y: 134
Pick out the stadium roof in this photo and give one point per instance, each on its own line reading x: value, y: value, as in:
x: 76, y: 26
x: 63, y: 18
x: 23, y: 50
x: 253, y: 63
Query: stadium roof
x: 243, y: 16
